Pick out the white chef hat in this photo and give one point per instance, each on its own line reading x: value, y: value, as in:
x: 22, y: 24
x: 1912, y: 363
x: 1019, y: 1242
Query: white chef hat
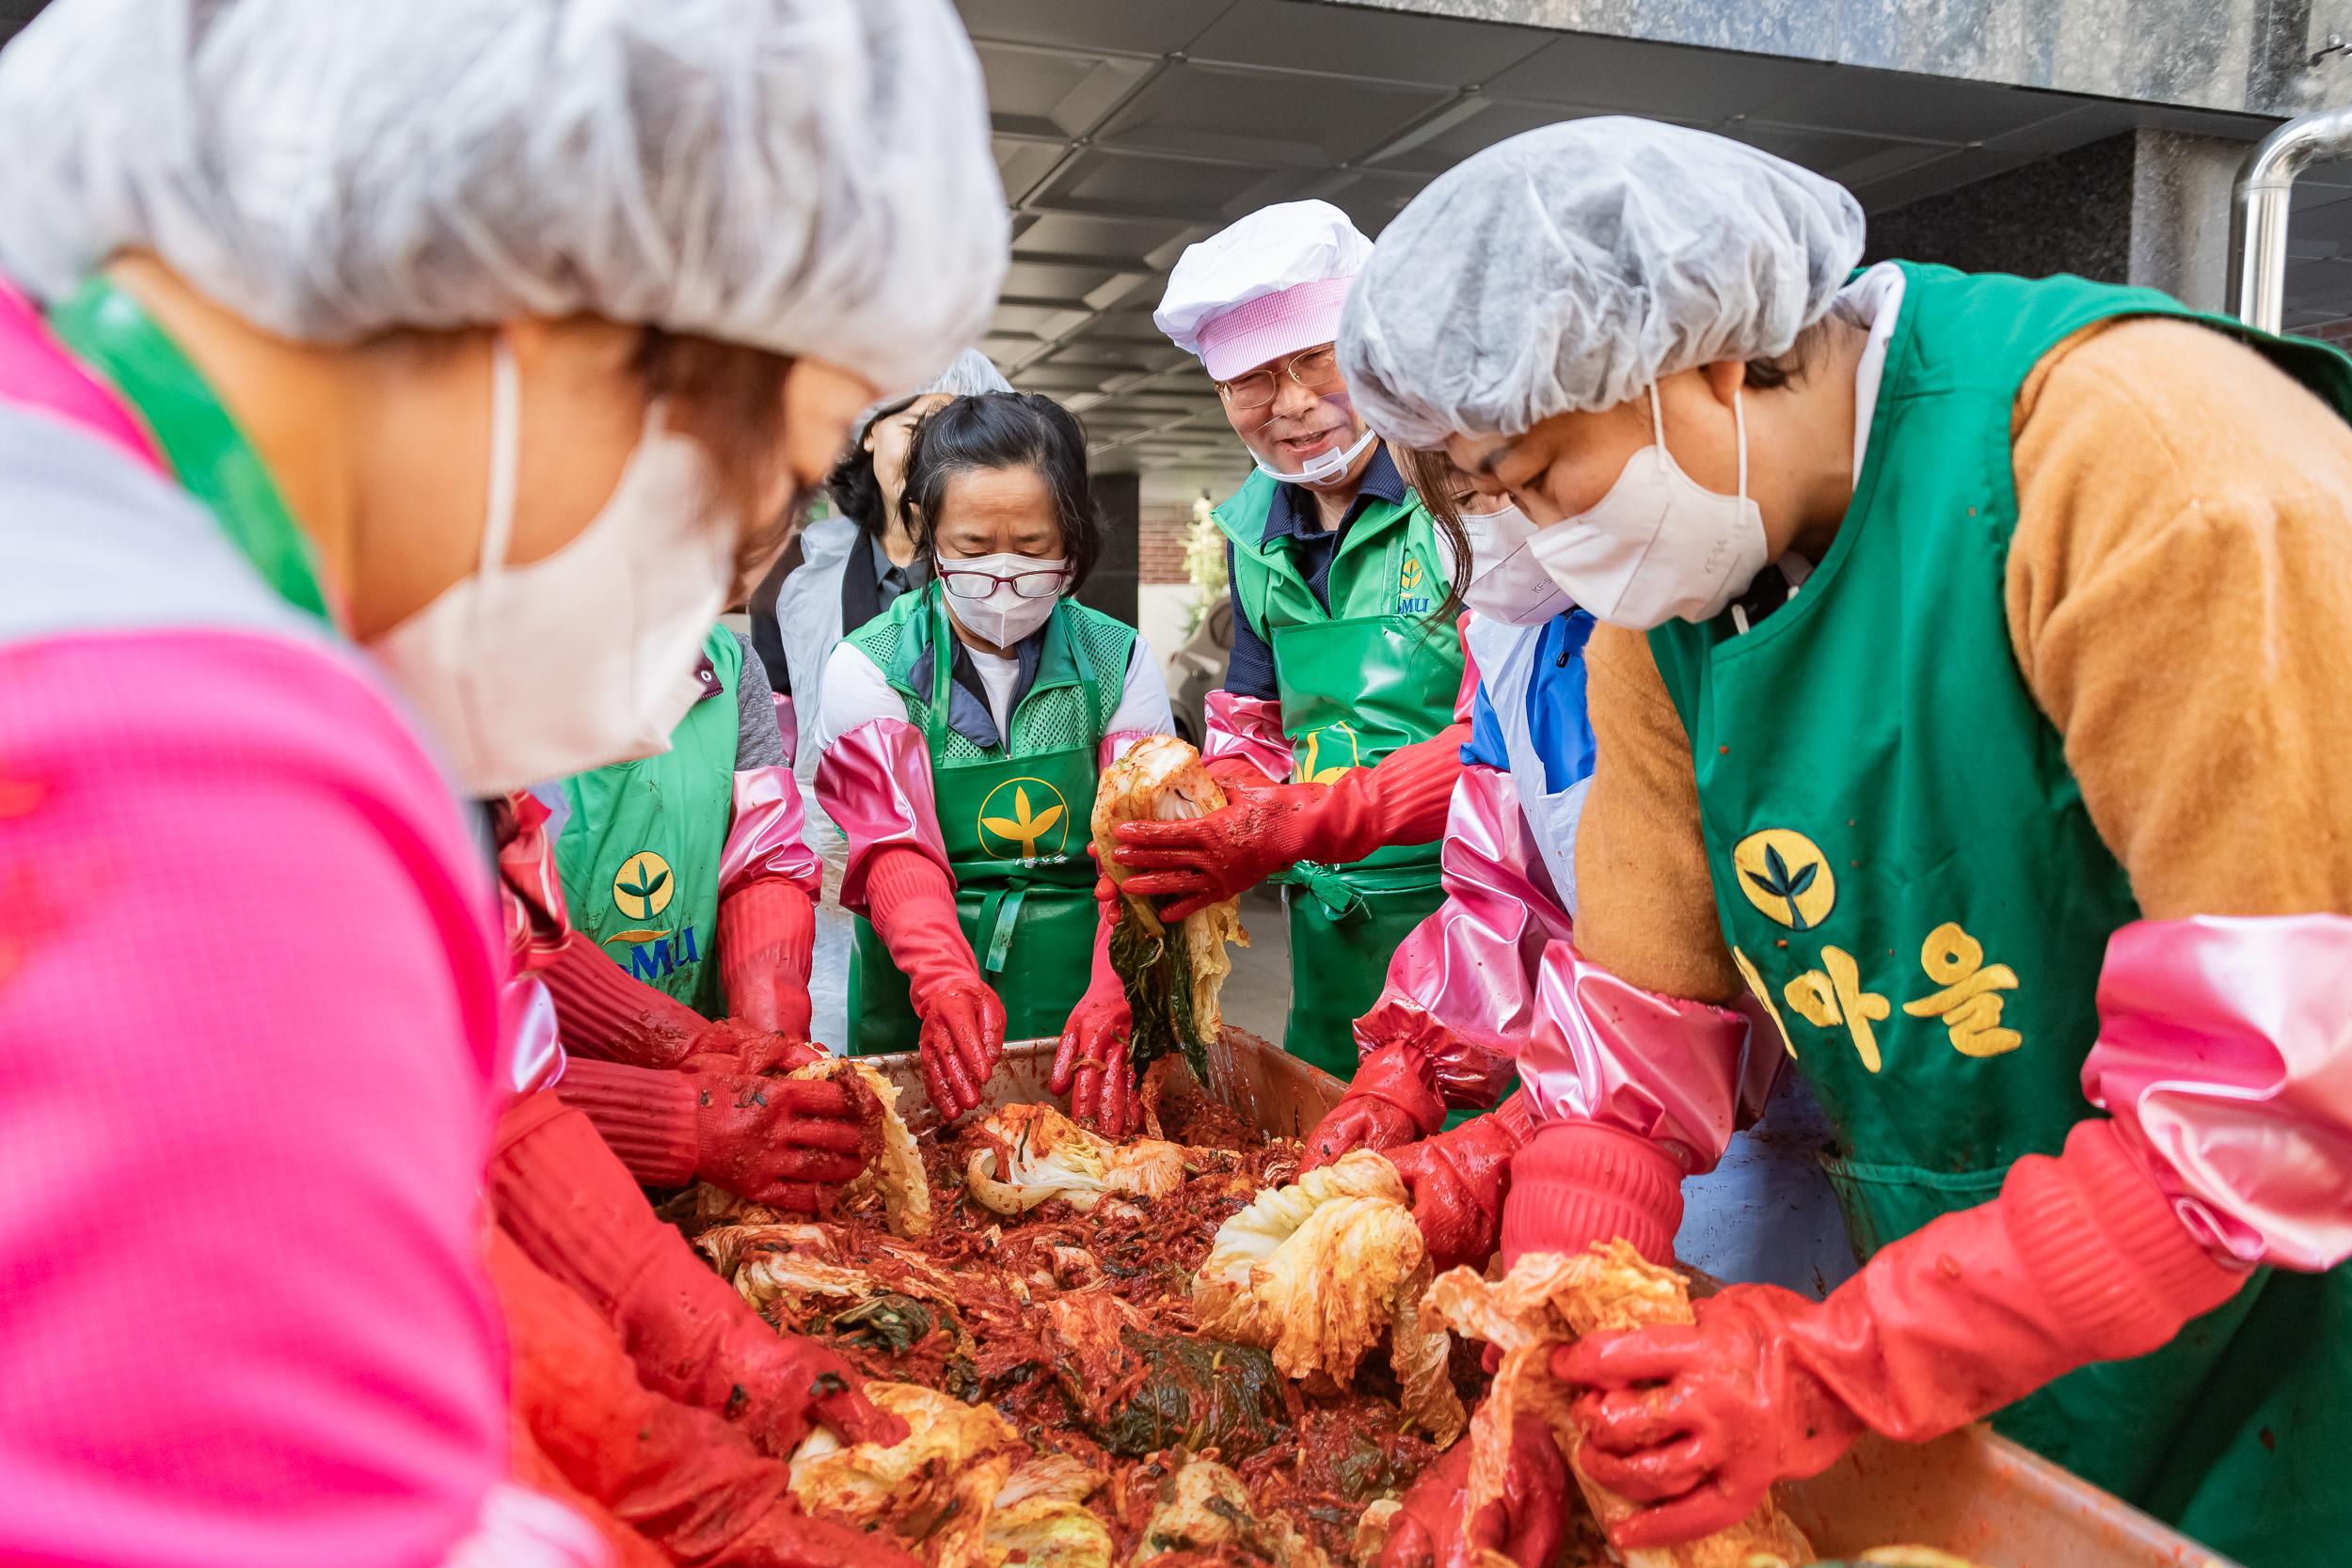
x: 810, y: 177
x: 1268, y: 286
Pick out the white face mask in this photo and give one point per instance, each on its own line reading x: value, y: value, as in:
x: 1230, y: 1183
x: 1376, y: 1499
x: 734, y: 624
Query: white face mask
x: 1508, y: 583
x: 1004, y: 617
x: 1659, y: 544
x: 584, y: 658
x: 1324, y: 468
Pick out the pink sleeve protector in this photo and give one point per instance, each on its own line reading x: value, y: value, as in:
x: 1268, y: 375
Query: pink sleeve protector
x: 875, y: 783
x: 1664, y: 1070
x: 1462, y: 986
x: 2225, y: 1056
x: 765, y: 838
x: 1249, y: 729
x: 1118, y: 744
x: 249, y: 993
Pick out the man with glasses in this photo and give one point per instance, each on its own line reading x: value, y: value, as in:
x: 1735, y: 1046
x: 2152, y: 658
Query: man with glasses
x: 1335, y: 733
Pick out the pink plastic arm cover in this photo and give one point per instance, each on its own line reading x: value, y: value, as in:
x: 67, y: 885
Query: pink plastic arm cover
x: 1117, y: 744
x: 1606, y: 1051
x: 875, y: 783
x: 765, y: 838
x: 1250, y: 728
x: 1462, y: 986
x: 2225, y: 1056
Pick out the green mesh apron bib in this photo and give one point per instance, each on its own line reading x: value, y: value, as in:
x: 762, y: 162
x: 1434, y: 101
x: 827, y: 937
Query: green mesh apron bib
x: 1909, y: 880
x: 1015, y: 819
x: 1358, y: 681
x: 640, y: 853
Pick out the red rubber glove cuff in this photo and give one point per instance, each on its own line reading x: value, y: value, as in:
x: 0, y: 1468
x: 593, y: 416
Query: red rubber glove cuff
x: 603, y: 1013
x: 572, y: 1208
x: 645, y: 1118
x: 1101, y: 1098
x: 766, y: 931
x: 1578, y: 1182
x: 1403, y: 800
x: 1391, y: 1101
x: 1461, y: 1183
x: 2081, y: 1258
x: 913, y: 906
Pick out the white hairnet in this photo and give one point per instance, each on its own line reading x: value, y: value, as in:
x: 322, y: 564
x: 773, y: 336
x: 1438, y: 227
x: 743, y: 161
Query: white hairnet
x: 971, y: 375
x: 1570, y: 268
x: 808, y: 175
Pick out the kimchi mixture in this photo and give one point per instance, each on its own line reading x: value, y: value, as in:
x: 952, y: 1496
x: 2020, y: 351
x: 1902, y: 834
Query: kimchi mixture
x: 1124, y: 1433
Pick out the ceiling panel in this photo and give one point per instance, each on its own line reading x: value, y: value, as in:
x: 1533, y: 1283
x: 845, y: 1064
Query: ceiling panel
x: 1127, y: 184
x: 1376, y: 44
x: 1663, y: 81
x: 1213, y: 111
x: 1140, y: 26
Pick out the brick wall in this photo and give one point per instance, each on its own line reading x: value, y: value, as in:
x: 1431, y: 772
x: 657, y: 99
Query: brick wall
x: 1165, y: 529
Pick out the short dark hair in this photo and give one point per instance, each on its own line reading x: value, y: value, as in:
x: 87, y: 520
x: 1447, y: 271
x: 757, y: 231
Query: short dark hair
x: 855, y: 492
x: 1006, y: 430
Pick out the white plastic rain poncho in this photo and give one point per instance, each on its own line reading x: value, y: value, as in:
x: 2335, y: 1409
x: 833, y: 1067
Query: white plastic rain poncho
x: 811, y: 177
x: 1570, y: 268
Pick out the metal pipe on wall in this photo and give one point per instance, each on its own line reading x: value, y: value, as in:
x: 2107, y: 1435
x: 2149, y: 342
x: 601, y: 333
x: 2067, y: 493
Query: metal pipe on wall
x: 2258, y: 204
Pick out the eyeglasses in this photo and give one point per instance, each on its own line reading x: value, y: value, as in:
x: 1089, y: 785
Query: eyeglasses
x: 1314, y: 370
x: 979, y: 585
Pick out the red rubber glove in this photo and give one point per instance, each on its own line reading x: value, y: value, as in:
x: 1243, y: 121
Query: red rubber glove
x: 766, y: 932
x: 1578, y: 1182
x: 604, y: 1013
x: 2081, y: 1258
x: 1401, y: 800
x: 678, y: 1476
x: 1392, y: 1100
x: 1090, y: 1065
x: 1526, y: 1523
x: 1459, y: 1181
x: 914, y: 910
x: 572, y: 1208
x: 767, y: 1140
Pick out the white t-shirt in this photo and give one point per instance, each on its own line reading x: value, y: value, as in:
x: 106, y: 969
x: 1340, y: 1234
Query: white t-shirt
x: 857, y: 692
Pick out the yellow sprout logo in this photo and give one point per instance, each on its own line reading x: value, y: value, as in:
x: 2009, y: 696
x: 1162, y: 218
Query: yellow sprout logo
x: 1316, y: 768
x: 644, y: 887
x: 1028, y: 833
x: 1786, y: 874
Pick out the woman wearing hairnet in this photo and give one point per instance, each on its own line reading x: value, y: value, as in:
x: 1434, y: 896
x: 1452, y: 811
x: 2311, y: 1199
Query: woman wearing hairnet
x: 1466, y: 989
x: 404, y: 379
x: 1908, y: 748
x: 845, y: 571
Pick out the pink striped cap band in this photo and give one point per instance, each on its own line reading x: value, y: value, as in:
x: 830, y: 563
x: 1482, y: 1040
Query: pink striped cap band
x: 1272, y: 326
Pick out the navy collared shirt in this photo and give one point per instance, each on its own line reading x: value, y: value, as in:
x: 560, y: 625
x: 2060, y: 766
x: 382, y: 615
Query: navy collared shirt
x: 1294, y: 515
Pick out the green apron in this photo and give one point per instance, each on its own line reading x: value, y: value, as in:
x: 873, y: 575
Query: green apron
x: 1015, y: 819
x: 1909, y: 880
x: 640, y: 853
x: 1358, y: 680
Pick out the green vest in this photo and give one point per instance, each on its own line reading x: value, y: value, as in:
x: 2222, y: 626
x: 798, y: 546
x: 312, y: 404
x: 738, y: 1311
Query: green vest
x: 1910, y: 882
x: 640, y: 853
x: 1370, y: 673
x: 1016, y: 819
